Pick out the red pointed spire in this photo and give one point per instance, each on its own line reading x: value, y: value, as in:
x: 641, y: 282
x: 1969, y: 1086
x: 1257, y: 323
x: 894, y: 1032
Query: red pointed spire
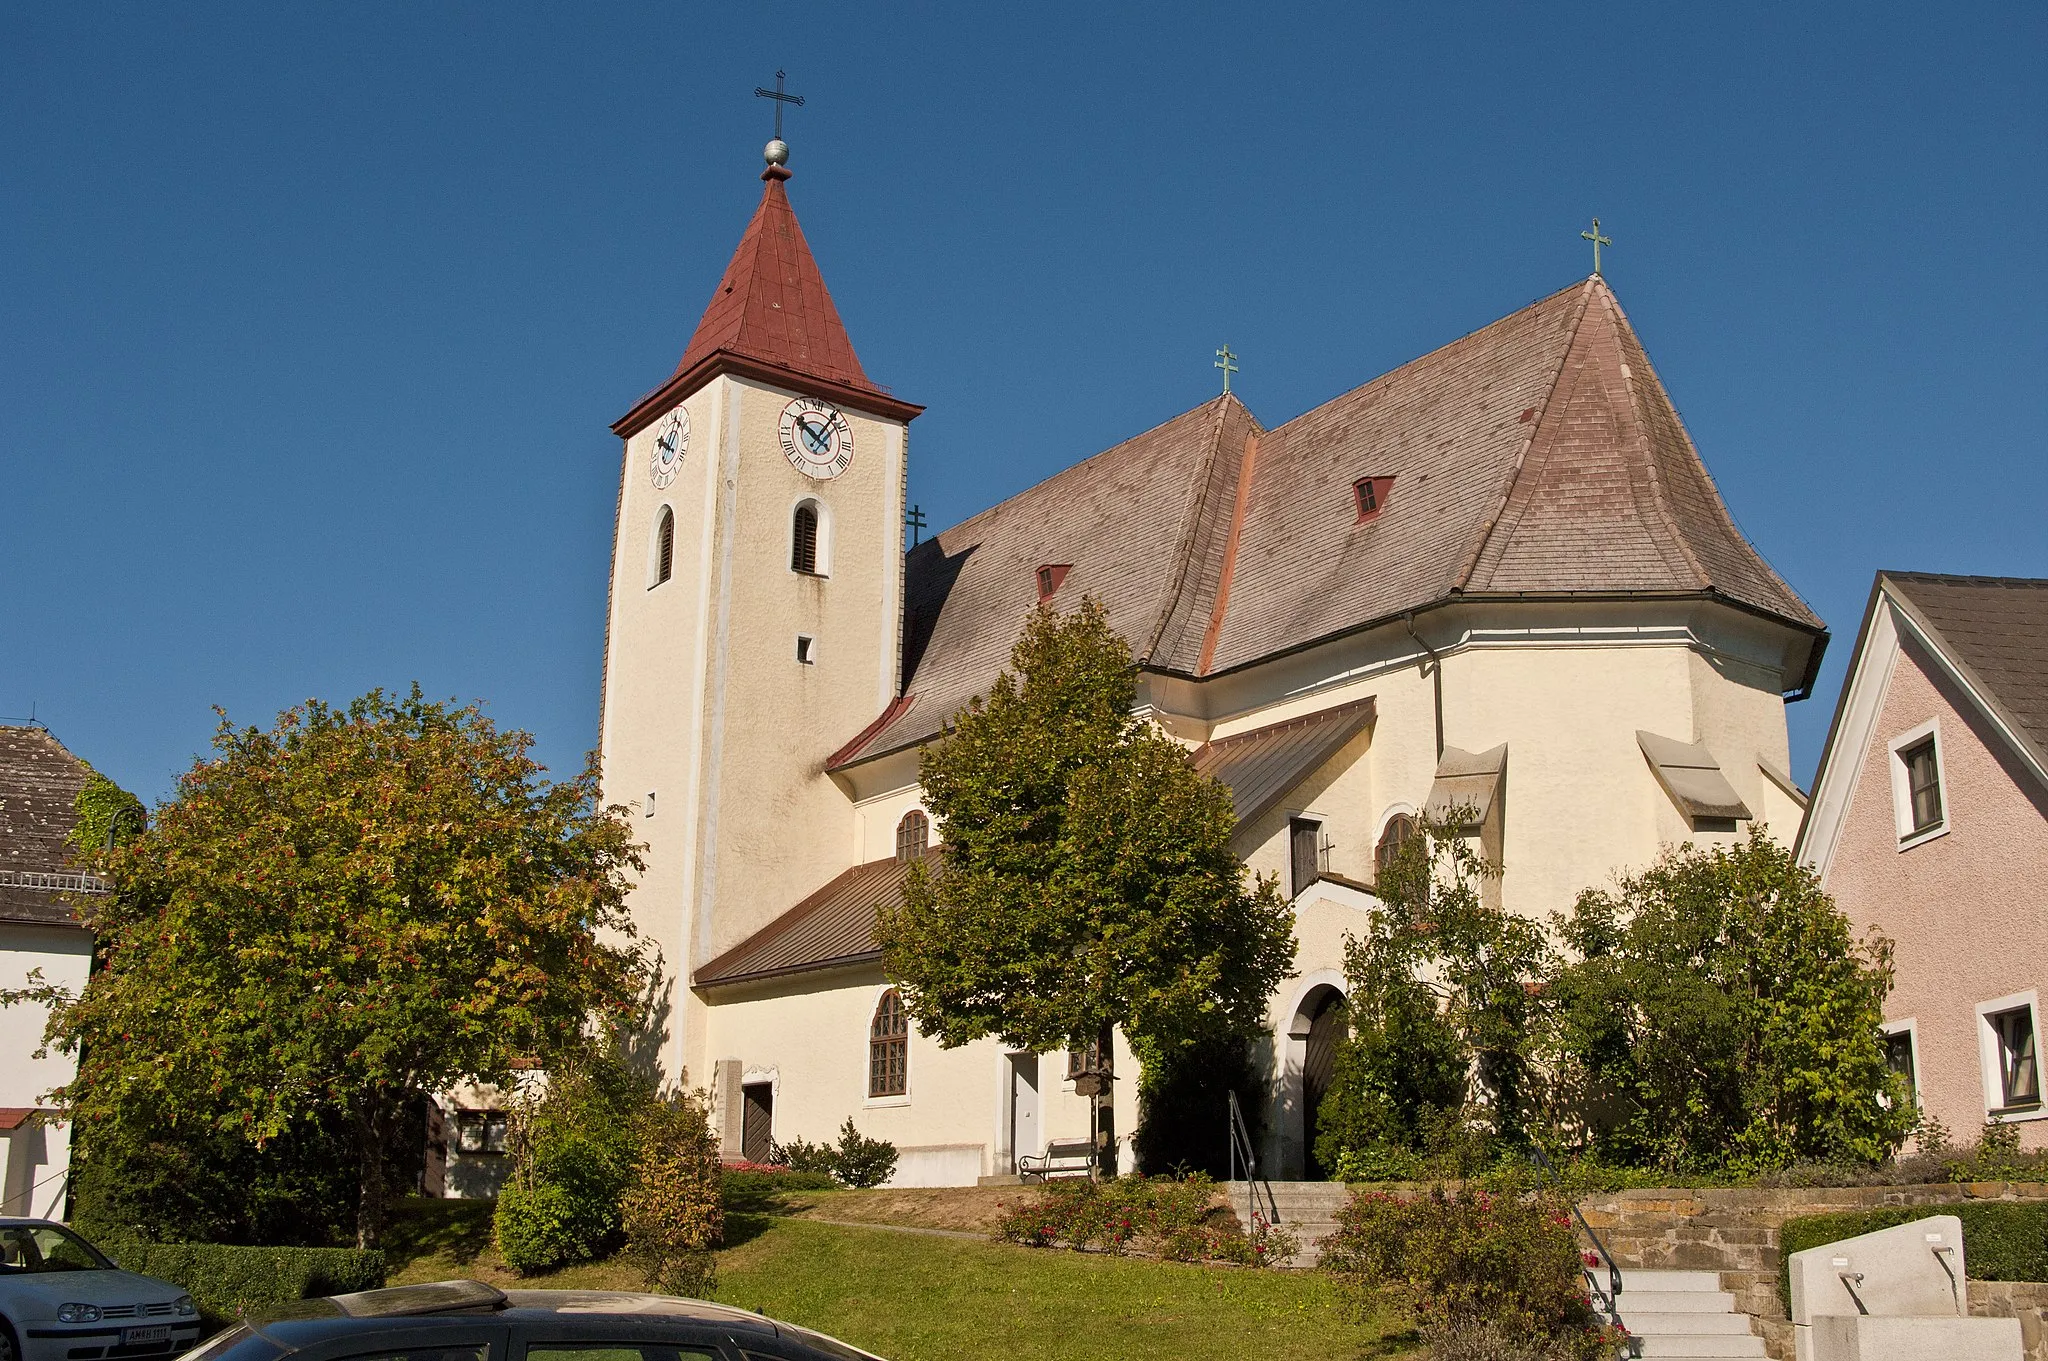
x: 772, y: 303
x: 772, y: 317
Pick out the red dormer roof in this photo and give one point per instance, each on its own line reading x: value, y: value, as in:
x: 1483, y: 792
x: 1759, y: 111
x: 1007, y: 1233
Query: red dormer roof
x: 771, y: 317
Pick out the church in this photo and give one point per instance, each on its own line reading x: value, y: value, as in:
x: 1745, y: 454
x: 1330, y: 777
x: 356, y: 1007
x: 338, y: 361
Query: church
x: 1498, y: 579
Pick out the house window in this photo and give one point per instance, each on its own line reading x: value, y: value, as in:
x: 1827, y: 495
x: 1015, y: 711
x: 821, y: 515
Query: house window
x: 482, y: 1131
x: 1898, y: 1056
x: 1302, y: 837
x: 1399, y: 829
x: 1918, y: 801
x: 913, y: 834
x: 2019, y: 1061
x: 1923, y: 785
x: 803, y: 540
x: 889, y: 1048
x: 665, y: 546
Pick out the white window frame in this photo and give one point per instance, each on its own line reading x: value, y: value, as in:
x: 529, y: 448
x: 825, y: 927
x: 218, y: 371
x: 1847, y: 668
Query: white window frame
x: 1902, y: 791
x: 1987, y: 1052
x: 824, y: 555
x: 1910, y: 1028
x: 867, y: 1036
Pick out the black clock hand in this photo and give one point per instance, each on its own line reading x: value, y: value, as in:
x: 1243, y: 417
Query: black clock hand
x: 815, y: 436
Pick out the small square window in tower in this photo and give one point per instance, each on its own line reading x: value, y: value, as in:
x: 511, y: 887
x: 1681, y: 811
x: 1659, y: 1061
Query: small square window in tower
x: 806, y: 650
x: 1369, y: 495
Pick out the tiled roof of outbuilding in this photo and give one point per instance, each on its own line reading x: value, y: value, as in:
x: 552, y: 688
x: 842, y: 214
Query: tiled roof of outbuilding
x: 39, y: 780
x: 1537, y: 456
x: 1996, y: 630
x: 833, y: 927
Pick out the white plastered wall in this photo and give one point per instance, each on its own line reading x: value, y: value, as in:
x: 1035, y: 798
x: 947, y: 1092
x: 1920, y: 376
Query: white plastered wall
x: 37, y: 1153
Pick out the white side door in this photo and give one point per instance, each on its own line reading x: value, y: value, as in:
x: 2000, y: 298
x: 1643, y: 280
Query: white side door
x: 1024, y: 1108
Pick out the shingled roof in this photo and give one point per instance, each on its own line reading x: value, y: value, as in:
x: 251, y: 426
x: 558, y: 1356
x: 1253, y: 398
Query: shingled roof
x: 39, y: 782
x: 1995, y: 631
x: 1538, y: 456
x: 771, y: 317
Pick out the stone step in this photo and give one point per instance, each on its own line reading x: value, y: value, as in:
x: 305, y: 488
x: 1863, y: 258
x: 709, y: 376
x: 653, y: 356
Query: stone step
x: 1683, y: 1323
x: 1701, y: 1348
x: 1675, y: 1301
x: 1633, y: 1279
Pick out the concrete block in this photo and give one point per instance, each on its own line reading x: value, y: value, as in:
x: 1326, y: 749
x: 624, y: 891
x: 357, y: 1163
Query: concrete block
x: 1901, y: 1275
x: 1858, y: 1338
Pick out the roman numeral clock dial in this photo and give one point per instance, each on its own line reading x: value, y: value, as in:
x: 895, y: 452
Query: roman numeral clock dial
x: 816, y: 439
x: 671, y: 442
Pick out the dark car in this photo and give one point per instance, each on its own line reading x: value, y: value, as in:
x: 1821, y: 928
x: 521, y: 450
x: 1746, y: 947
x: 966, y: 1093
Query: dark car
x: 471, y: 1321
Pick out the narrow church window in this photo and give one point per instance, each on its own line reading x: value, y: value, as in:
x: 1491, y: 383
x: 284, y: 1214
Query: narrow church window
x: 803, y: 541
x: 665, y: 546
x: 1399, y: 828
x: 889, y: 1048
x: 913, y: 834
x: 1302, y: 834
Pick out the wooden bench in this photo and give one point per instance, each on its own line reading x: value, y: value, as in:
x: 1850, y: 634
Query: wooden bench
x: 1062, y: 1158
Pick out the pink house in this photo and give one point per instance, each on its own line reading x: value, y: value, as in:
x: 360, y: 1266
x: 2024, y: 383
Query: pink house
x: 1929, y: 821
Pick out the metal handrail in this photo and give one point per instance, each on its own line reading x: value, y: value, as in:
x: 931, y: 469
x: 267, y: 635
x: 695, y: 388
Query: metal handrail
x: 1241, y: 1151
x: 1611, y: 1298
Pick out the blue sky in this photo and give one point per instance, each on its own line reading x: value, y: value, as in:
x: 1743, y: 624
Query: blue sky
x: 317, y: 315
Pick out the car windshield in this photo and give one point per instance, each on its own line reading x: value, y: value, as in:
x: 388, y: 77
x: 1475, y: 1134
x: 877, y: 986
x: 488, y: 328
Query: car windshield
x: 45, y: 1247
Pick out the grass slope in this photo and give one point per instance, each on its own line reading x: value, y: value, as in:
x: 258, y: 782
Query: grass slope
x: 923, y: 1297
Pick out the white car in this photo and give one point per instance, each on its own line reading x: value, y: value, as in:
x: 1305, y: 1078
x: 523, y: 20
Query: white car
x: 62, y: 1300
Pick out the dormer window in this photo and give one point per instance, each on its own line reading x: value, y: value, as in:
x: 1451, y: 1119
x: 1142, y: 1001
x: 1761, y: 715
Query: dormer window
x: 1370, y: 495
x: 1050, y: 577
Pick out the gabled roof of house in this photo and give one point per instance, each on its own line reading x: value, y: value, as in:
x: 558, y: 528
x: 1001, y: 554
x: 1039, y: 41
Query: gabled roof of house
x: 1990, y: 634
x: 39, y: 782
x: 1994, y: 631
x: 771, y: 317
x: 1538, y: 456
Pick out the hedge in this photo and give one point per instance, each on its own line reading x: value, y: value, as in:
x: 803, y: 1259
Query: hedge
x: 2002, y: 1240
x: 227, y: 1282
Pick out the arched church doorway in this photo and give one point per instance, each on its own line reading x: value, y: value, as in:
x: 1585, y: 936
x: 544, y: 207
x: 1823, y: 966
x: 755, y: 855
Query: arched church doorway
x: 1323, y: 1009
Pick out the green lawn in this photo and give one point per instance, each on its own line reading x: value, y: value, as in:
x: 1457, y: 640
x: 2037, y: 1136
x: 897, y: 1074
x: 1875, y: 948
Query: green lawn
x: 916, y: 1297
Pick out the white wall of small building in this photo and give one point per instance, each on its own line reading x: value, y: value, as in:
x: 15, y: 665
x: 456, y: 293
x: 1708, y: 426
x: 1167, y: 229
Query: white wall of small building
x: 37, y: 1153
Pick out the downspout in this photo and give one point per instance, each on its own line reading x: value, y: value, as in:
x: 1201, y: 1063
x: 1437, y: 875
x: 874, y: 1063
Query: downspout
x: 1436, y: 672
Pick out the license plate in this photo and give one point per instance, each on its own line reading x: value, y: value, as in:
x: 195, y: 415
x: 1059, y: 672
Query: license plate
x: 131, y: 1336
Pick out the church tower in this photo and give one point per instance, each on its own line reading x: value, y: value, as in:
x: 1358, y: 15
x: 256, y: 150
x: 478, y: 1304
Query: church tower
x: 756, y: 606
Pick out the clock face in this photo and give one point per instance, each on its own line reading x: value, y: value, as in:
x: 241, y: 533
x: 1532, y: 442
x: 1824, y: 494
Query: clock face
x: 816, y: 439
x: 671, y: 442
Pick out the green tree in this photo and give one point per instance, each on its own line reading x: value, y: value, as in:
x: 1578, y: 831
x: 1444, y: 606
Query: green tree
x: 1442, y: 1010
x: 1086, y: 879
x: 340, y: 913
x: 1722, y: 1016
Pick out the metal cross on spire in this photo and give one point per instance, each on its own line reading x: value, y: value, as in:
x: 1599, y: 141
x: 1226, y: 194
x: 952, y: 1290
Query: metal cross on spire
x: 1226, y: 361
x: 780, y: 99
x: 916, y: 522
x: 1598, y: 241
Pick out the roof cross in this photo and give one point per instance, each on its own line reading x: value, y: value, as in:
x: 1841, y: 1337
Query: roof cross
x: 780, y: 99
x: 915, y: 520
x: 1226, y: 361
x: 1598, y: 241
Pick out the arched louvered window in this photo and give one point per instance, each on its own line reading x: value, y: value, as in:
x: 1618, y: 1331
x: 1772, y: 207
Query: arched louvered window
x: 913, y: 834
x: 1399, y: 829
x: 889, y: 1048
x: 803, y: 540
x: 665, y: 546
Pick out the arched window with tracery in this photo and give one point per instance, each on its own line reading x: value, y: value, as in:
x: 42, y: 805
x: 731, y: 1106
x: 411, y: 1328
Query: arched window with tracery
x: 803, y: 540
x: 913, y: 834
x: 1399, y: 829
x: 889, y: 1048
x: 665, y: 546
